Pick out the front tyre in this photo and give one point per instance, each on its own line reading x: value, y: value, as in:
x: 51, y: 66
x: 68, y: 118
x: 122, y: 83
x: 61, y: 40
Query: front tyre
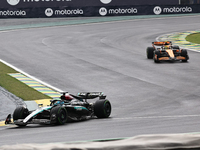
x: 20, y: 113
x: 175, y: 47
x: 184, y: 54
x: 58, y: 115
x: 156, y: 56
x: 149, y: 52
x: 102, y: 108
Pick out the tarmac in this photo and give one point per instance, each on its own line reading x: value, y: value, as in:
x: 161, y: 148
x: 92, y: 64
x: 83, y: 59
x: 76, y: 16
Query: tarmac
x: 8, y: 103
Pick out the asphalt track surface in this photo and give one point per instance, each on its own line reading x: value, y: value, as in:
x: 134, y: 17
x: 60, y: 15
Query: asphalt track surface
x: 147, y: 98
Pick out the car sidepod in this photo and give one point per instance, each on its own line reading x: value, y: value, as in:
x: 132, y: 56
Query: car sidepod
x: 77, y: 113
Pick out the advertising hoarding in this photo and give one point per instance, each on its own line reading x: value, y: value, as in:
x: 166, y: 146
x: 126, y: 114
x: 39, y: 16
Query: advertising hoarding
x: 87, y: 8
x: 82, y: 3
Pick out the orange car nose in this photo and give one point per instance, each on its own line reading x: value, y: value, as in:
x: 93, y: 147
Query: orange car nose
x: 170, y: 52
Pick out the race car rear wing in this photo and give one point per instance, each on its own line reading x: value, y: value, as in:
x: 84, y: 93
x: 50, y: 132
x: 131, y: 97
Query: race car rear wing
x: 161, y: 43
x: 91, y: 95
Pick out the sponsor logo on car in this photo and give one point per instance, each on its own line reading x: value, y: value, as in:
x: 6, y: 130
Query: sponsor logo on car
x: 49, y: 12
x: 158, y: 10
x: 103, y: 11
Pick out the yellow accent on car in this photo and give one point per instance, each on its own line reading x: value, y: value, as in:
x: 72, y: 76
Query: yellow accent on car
x: 45, y: 102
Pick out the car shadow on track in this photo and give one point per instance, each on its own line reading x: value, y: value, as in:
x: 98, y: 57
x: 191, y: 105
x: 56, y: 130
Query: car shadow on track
x: 53, y: 125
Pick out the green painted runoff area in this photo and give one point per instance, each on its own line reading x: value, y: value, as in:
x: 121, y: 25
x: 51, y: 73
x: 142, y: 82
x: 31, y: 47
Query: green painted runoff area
x: 194, y: 38
x: 19, y: 89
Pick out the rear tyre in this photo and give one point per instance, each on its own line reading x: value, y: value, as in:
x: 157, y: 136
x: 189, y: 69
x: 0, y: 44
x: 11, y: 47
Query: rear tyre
x: 149, y: 52
x: 175, y: 47
x: 20, y: 113
x: 102, y: 108
x: 58, y: 115
x: 184, y: 54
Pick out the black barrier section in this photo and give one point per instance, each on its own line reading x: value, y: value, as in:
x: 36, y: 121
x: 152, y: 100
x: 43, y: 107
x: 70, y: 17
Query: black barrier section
x: 89, y: 11
x: 81, y: 3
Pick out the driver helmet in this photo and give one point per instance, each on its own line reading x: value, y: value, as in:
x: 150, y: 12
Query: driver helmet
x: 66, y: 97
x: 59, y: 103
x: 167, y: 47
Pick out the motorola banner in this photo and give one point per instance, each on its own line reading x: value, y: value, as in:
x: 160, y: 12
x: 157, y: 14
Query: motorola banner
x: 148, y: 10
x: 82, y: 3
x: 158, y: 10
x: 89, y: 11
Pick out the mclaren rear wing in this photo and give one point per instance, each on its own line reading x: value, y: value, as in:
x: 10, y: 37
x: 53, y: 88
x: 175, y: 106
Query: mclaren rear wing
x: 161, y: 43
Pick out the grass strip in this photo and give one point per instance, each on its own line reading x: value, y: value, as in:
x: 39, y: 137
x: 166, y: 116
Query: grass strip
x: 193, y: 38
x: 16, y: 87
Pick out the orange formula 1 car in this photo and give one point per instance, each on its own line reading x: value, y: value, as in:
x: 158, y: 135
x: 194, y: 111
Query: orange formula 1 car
x: 165, y: 51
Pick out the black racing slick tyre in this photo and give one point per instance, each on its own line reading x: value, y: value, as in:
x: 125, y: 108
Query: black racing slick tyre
x: 20, y: 113
x: 156, y: 56
x: 184, y: 54
x: 149, y: 52
x: 102, y: 108
x: 58, y: 115
x: 175, y: 47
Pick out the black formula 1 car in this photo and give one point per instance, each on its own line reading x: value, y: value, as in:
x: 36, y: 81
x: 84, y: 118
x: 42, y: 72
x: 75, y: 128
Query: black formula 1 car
x: 165, y: 51
x: 68, y: 108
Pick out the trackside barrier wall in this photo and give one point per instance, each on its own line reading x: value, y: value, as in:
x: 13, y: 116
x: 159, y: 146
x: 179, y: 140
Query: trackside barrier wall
x: 143, y: 142
x: 89, y: 8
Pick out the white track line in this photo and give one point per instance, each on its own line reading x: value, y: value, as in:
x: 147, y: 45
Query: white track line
x: 28, y: 75
x: 156, y: 117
